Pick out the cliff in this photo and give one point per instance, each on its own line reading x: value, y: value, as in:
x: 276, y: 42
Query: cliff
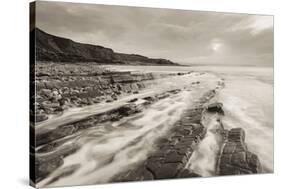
x: 57, y: 49
x: 141, y: 60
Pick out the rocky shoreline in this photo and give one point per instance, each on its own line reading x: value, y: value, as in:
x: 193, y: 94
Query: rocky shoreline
x: 63, y: 86
x: 108, y: 86
x: 80, y: 86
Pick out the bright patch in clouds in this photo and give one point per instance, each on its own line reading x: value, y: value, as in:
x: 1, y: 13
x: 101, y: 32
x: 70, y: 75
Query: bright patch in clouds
x: 260, y: 23
x: 216, y: 46
x: 255, y: 23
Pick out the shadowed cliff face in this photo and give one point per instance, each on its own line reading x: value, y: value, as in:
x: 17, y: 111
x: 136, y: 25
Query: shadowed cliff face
x: 58, y: 49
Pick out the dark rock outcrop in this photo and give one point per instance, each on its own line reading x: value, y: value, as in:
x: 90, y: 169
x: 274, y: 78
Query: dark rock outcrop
x: 235, y: 158
x: 141, y: 60
x: 57, y: 49
x: 215, y: 107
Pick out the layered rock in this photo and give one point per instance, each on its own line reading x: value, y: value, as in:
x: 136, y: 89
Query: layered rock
x: 235, y: 158
x: 59, y: 87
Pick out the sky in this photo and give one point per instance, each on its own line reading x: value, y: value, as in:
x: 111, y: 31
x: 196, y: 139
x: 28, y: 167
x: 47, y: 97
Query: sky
x: 183, y: 36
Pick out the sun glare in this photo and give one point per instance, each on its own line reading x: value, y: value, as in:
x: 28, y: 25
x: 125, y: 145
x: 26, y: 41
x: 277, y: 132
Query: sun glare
x: 216, y: 46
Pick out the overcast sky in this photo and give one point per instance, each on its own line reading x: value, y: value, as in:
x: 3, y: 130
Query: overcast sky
x: 181, y: 36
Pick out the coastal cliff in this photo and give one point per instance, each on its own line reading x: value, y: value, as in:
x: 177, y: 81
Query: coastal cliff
x: 52, y: 48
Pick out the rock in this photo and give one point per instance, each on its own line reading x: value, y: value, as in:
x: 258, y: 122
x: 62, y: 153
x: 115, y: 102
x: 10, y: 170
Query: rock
x: 42, y: 74
x: 162, y: 96
x: 187, y: 174
x: 167, y: 170
x: 229, y: 148
x: 236, y: 135
x: 51, y: 135
x: 215, y: 108
x: 46, y: 92
x: 149, y: 98
x: 174, y: 157
x: 133, y: 100
x: 139, y: 174
x: 180, y: 73
x: 235, y: 157
x: 127, y: 110
x: 109, y: 100
x: 43, y: 167
x: 40, y: 117
x: 253, y: 162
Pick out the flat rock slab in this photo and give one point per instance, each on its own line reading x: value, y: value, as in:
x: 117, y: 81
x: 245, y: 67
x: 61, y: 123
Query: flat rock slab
x: 235, y: 157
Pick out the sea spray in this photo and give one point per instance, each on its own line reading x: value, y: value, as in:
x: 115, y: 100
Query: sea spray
x: 248, y: 103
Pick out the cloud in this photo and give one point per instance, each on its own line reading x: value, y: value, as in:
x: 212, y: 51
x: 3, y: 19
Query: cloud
x: 182, y: 36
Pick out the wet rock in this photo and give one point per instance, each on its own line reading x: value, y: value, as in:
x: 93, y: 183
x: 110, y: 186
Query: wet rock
x: 133, y: 100
x: 180, y: 73
x: 235, y: 157
x: 127, y: 110
x: 150, y: 99
x: 162, y: 96
x: 109, y: 100
x: 48, y: 136
x: 139, y: 174
x: 174, y: 157
x: 187, y: 174
x: 236, y: 135
x: 167, y: 170
x: 40, y: 117
x: 215, y: 108
x: 44, y: 166
x: 253, y: 162
x: 46, y: 92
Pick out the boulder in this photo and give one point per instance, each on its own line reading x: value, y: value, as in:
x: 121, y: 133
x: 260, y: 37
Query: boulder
x: 215, y: 108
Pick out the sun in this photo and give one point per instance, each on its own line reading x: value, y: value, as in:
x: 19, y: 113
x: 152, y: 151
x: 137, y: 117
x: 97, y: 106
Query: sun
x: 216, y: 46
